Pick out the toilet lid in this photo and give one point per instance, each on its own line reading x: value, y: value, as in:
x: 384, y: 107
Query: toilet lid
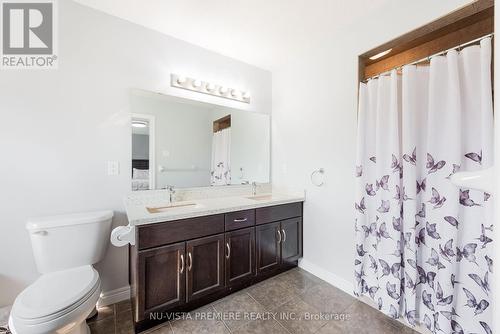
x: 55, y: 292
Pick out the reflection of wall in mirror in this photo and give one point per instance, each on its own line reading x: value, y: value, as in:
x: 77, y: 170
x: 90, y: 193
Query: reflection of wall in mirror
x: 183, y: 141
x: 140, y: 146
x: 250, y: 149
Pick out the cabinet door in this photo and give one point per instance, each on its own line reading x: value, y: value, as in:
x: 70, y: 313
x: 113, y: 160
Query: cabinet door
x: 240, y: 255
x: 161, y: 278
x: 291, y: 243
x: 205, y: 266
x: 268, y: 246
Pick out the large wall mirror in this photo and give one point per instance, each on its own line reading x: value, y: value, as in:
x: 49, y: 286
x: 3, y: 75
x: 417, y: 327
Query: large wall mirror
x: 185, y: 143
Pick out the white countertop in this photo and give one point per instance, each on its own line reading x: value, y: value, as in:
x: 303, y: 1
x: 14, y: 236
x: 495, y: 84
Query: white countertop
x: 138, y: 214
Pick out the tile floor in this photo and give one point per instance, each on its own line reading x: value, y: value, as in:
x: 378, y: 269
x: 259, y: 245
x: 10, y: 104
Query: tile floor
x: 286, y: 304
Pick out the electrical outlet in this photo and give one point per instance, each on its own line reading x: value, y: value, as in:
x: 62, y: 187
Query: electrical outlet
x: 113, y: 168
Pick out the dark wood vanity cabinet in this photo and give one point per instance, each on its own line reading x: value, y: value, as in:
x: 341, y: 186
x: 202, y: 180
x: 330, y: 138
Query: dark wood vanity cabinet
x: 278, y: 244
x: 240, y: 256
x: 205, y: 266
x: 181, y: 265
x: 161, y: 275
x: 291, y: 240
x: 268, y: 247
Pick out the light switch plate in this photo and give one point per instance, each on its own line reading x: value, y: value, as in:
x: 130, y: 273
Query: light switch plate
x: 113, y: 168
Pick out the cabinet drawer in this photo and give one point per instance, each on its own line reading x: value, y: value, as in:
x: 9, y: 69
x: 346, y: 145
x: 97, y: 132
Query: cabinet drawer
x: 239, y: 219
x: 278, y: 212
x: 179, y: 230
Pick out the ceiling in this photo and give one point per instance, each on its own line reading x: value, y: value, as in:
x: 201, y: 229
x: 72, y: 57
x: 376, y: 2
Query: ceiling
x: 258, y: 32
x: 266, y: 32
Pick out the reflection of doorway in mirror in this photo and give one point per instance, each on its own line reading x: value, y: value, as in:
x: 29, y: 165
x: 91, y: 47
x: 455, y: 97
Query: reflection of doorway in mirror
x: 220, y: 171
x: 143, y: 162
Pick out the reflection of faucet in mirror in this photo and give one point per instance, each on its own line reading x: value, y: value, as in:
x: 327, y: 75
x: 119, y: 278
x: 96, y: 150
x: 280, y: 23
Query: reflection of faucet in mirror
x: 254, y: 188
x: 171, y: 193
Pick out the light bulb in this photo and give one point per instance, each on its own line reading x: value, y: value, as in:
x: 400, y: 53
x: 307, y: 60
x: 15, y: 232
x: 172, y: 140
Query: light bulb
x: 223, y: 90
x: 246, y: 95
x: 234, y: 93
x: 210, y: 87
x: 196, y: 83
x: 181, y: 80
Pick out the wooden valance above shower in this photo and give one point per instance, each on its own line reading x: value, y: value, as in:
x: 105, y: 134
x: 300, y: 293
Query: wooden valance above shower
x: 222, y: 123
x: 461, y: 26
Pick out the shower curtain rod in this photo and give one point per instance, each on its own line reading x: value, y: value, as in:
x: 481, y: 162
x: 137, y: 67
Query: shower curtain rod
x: 459, y: 47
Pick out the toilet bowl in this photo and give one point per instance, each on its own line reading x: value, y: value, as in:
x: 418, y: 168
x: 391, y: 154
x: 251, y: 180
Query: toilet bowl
x: 65, y: 247
x: 57, y: 302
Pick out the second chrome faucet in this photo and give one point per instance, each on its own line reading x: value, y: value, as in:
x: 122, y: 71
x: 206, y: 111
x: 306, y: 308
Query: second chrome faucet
x: 171, y: 193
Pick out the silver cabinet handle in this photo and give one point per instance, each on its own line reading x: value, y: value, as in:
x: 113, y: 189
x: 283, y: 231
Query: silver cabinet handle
x: 182, y: 264
x: 228, y: 250
x: 242, y: 220
x: 190, y: 259
x: 284, y: 235
x: 279, y: 236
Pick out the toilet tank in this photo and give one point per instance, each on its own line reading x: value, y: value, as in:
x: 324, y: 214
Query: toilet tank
x: 69, y: 241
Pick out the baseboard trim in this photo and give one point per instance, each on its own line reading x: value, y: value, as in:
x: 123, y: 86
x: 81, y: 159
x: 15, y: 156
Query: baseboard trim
x: 328, y: 276
x: 114, y: 296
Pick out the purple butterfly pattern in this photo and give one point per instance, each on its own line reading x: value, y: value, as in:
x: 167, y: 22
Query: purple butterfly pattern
x: 369, y: 189
x: 421, y: 185
x: 436, y: 199
x: 433, y: 166
x: 465, y: 200
x: 476, y: 157
x: 409, y: 247
x: 411, y: 158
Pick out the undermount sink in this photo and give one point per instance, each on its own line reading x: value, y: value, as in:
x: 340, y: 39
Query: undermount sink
x: 173, y: 206
x: 261, y: 197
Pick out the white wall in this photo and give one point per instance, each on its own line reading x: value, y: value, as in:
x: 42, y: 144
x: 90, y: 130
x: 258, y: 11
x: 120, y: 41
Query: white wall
x: 314, y: 125
x: 58, y: 128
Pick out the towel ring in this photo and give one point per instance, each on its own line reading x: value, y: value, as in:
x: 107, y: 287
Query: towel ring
x: 317, y: 171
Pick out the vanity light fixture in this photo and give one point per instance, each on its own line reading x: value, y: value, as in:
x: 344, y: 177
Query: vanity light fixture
x: 380, y: 54
x: 197, y: 85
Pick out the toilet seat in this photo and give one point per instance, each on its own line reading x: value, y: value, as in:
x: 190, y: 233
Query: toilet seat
x: 55, y: 294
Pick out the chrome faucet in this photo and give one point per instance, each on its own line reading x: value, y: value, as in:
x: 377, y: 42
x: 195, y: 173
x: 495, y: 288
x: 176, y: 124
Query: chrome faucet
x: 254, y: 188
x: 171, y: 193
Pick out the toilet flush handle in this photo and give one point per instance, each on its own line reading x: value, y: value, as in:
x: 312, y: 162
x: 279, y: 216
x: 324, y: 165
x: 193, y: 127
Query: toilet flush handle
x: 39, y: 232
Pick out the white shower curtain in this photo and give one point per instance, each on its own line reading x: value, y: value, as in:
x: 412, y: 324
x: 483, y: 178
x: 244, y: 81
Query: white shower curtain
x: 221, y: 158
x: 423, y: 248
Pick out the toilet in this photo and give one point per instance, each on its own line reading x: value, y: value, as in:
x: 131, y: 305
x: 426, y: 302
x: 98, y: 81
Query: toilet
x: 65, y: 248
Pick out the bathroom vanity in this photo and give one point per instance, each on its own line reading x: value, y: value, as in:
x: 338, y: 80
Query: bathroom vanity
x: 209, y: 223
x: 204, y: 249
